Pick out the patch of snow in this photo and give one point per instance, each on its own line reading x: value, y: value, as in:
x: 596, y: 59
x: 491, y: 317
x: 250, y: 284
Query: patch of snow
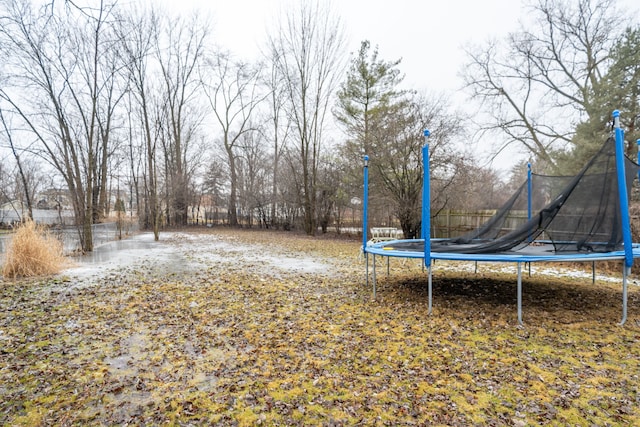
x: 536, y: 270
x: 182, y: 253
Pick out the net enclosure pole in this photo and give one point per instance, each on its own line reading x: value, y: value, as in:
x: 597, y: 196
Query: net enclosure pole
x: 529, y: 197
x: 625, y: 272
x: 365, y: 216
x: 425, y: 229
x: 365, y: 203
x: 529, y: 190
x: 519, y: 293
x: 624, y: 210
x: 622, y: 191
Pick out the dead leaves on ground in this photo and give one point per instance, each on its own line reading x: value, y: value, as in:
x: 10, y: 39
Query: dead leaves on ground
x: 231, y: 346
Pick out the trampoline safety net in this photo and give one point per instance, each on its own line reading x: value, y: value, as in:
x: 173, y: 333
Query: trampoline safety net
x: 576, y: 214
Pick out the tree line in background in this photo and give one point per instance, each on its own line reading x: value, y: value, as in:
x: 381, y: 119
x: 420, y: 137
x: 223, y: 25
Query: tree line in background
x: 135, y: 109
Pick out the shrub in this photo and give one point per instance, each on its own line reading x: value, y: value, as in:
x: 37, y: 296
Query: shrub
x: 33, y: 251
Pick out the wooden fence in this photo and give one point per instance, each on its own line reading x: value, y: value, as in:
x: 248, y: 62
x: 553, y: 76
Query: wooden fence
x: 454, y: 222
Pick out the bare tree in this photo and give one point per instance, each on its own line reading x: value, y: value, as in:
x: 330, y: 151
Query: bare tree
x: 255, y: 173
x: 138, y: 36
x: 232, y: 89
x: 290, y: 192
x: 540, y: 83
x: 279, y: 131
x: 307, y: 49
x: 179, y: 57
x: 396, y: 139
x: 22, y: 174
x: 331, y: 191
x: 134, y: 155
x: 59, y: 74
x: 109, y: 117
x: 5, y: 179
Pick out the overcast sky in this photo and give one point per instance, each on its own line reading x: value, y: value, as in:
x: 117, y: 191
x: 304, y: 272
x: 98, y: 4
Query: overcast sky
x: 427, y: 35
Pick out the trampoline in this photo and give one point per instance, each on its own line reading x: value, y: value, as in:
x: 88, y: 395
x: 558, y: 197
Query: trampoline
x: 585, y: 219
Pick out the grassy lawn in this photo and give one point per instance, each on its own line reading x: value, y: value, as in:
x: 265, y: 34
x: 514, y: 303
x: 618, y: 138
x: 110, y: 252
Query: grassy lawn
x: 233, y: 340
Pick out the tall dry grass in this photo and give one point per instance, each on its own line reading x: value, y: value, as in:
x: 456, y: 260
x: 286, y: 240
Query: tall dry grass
x: 33, y: 251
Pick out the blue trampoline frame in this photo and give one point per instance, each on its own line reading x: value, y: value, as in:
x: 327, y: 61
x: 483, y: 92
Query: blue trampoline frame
x: 630, y: 250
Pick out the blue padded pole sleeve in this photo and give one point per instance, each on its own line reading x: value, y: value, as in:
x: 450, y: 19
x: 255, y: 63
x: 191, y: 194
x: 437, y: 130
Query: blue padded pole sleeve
x: 365, y: 204
x: 622, y: 191
x: 426, y: 201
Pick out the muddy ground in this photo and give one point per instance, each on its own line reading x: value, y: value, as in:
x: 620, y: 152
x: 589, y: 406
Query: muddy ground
x: 233, y: 327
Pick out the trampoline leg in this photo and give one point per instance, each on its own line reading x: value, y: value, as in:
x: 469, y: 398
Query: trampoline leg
x: 366, y: 268
x: 593, y: 272
x: 624, y: 295
x: 430, y: 291
x: 520, y: 294
x: 388, y: 260
x: 374, y: 277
